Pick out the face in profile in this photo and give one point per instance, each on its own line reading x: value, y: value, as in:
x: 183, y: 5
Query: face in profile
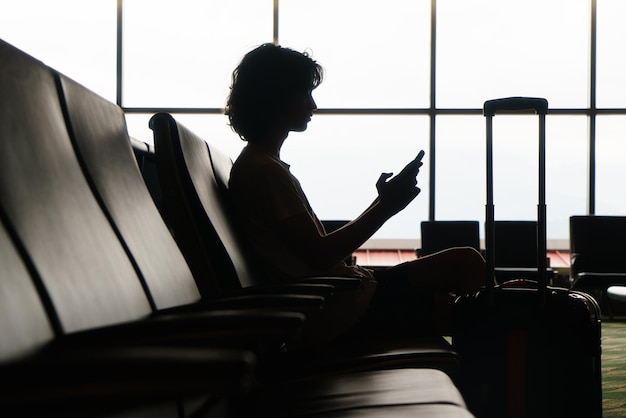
x: 299, y: 110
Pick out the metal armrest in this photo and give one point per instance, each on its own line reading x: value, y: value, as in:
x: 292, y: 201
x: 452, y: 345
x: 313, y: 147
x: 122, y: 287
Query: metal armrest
x: 250, y: 328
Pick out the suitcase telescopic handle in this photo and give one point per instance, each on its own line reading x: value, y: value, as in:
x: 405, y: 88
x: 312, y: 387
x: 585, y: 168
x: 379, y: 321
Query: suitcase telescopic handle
x: 516, y: 104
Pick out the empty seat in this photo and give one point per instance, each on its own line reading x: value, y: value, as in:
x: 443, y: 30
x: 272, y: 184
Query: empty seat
x: 597, y: 252
x: 44, y: 376
x: 67, y: 285
x: 407, y: 392
x: 515, y: 251
x: 440, y: 235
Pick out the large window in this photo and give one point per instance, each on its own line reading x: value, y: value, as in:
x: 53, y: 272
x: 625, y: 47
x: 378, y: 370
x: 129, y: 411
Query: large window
x: 180, y: 53
x: 611, y: 61
x: 340, y: 157
x: 376, y: 53
x: 493, y: 48
x: 75, y: 37
x: 401, y: 75
x: 611, y: 164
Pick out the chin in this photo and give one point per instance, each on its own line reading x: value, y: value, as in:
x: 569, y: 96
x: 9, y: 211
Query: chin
x: 301, y: 128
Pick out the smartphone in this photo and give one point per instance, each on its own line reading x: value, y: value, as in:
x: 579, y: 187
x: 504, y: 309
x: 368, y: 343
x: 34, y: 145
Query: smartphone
x: 415, y: 164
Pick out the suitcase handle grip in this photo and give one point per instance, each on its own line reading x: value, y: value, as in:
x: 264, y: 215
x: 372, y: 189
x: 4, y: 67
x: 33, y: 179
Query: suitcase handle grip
x: 515, y: 104
x: 520, y: 284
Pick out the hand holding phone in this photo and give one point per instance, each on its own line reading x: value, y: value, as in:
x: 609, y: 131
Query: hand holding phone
x: 397, y: 192
x: 405, y: 180
x: 412, y: 168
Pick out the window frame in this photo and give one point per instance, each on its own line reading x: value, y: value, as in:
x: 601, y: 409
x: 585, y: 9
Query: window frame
x: 432, y: 111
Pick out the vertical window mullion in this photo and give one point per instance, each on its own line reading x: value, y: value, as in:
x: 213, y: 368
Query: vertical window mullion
x: 275, y: 24
x: 118, y: 79
x: 432, y: 110
x: 591, y: 187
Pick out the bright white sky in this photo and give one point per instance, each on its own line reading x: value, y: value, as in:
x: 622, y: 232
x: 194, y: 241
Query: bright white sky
x: 376, y: 54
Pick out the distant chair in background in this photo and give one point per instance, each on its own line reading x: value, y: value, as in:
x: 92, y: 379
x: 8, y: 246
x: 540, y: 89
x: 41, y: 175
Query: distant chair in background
x: 439, y: 235
x: 615, y: 294
x: 515, y: 253
x: 598, y: 256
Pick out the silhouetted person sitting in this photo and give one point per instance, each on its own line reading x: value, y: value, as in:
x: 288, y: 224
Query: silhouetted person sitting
x: 271, y: 95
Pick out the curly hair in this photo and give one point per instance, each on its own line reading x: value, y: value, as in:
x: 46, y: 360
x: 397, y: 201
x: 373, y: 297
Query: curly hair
x: 261, y: 84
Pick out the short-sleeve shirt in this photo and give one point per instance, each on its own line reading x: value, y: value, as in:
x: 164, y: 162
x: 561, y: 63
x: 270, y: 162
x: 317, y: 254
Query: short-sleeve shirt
x: 264, y: 193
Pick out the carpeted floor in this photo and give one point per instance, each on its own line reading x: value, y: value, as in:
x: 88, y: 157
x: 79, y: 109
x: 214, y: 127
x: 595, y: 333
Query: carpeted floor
x: 614, y: 369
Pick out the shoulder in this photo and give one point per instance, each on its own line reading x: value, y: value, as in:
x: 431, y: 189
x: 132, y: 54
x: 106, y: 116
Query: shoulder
x: 248, y: 159
x: 253, y: 167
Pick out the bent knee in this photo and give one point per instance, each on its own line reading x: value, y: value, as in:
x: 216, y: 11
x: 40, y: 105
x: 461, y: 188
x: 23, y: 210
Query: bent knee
x: 469, y: 253
x: 473, y: 263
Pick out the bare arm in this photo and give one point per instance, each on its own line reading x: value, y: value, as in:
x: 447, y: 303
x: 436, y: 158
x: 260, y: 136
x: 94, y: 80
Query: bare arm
x: 324, y: 251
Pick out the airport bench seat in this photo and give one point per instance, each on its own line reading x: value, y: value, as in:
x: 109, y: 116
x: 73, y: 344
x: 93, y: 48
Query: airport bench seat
x: 97, y: 129
x: 75, y: 320
x: 88, y: 332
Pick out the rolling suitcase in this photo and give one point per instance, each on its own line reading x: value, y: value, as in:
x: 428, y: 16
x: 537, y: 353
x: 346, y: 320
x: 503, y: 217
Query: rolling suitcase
x: 526, y: 349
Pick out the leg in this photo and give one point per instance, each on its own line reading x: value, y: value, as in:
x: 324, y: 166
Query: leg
x: 415, y: 297
x: 455, y: 270
x: 459, y: 270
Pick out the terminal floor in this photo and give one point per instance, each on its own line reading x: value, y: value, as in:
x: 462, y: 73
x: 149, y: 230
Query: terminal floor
x: 614, y: 368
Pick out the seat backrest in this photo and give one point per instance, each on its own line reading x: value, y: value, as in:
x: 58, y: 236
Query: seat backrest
x: 24, y: 322
x: 98, y: 131
x: 50, y: 209
x: 144, y: 155
x: 439, y: 235
x: 228, y: 233
x: 515, y: 244
x: 200, y: 216
x: 597, y: 244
